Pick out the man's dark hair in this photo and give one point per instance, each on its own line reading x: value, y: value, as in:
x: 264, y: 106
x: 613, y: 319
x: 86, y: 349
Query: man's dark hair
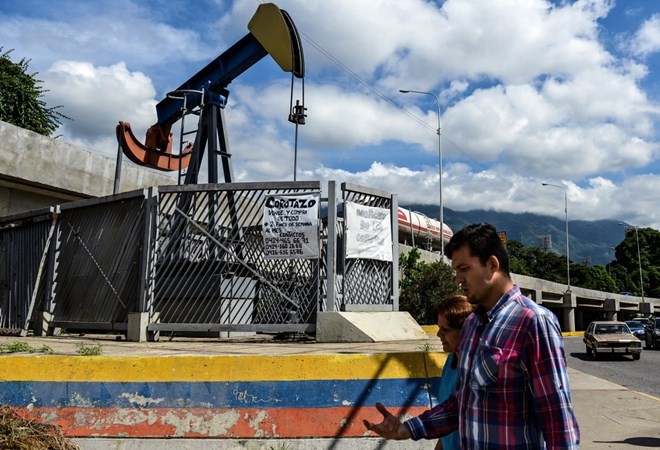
x: 483, y: 242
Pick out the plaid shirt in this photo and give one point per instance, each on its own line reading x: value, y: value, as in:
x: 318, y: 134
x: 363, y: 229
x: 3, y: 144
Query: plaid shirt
x: 513, y: 388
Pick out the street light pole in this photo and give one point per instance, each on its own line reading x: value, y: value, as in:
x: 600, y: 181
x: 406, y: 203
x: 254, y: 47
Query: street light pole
x: 439, y: 131
x: 639, y: 260
x: 568, y: 258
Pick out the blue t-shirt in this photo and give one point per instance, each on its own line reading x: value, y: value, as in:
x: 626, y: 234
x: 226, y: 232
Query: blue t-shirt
x: 448, y: 382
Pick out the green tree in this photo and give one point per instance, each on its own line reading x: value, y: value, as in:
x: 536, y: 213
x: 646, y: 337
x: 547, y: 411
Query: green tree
x: 597, y: 278
x: 423, y: 285
x: 409, y: 266
x: 20, y: 98
x: 628, y: 261
x: 518, y: 258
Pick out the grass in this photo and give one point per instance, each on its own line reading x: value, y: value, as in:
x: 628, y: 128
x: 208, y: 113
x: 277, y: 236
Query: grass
x: 17, y: 433
x: 280, y: 447
x: 88, y: 349
x: 23, y: 347
x: 426, y: 347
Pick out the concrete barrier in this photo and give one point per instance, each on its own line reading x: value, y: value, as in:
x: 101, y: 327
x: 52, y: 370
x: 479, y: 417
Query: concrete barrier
x: 247, y: 397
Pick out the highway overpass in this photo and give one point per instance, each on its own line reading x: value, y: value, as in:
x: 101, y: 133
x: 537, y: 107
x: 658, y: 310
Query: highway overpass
x: 575, y: 309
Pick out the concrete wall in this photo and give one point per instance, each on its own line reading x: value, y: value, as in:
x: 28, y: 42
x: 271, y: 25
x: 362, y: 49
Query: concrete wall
x: 37, y: 171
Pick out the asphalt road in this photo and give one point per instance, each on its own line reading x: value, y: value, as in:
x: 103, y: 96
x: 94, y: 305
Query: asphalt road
x: 641, y: 376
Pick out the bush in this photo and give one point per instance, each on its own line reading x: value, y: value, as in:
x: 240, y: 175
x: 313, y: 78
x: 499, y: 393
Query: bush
x: 423, y: 285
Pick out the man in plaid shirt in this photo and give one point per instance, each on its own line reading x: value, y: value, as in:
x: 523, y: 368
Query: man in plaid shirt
x: 512, y: 390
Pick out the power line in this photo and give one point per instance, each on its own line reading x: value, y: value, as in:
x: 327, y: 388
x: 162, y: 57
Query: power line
x: 412, y: 116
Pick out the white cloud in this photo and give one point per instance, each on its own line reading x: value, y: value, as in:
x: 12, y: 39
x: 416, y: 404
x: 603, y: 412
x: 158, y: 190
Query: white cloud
x: 647, y: 38
x: 97, y: 98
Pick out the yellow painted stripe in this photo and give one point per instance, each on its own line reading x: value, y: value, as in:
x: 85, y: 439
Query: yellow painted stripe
x: 433, y: 330
x: 220, y: 368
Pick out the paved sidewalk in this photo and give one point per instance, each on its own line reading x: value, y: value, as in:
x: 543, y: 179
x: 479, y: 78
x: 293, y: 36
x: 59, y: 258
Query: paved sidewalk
x: 610, y: 416
x: 613, y: 417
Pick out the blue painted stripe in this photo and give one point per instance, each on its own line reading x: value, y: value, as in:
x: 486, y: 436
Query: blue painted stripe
x: 273, y: 394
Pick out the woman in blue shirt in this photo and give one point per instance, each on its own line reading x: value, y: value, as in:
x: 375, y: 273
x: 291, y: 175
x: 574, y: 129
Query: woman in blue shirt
x: 450, y: 315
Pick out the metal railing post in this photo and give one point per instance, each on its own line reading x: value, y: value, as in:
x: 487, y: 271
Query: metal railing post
x: 331, y: 255
x: 394, y: 213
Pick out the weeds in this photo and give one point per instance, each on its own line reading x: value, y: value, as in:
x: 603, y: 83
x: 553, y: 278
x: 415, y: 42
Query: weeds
x: 22, y: 434
x: 89, y: 350
x: 23, y: 347
x: 282, y: 446
x: 426, y: 347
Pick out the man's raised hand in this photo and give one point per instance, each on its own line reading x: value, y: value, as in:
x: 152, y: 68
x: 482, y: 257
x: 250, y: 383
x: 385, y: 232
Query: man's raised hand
x: 390, y: 427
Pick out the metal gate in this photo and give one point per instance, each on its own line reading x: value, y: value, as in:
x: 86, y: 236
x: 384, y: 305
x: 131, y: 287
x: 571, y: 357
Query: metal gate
x: 358, y: 284
x: 210, y: 270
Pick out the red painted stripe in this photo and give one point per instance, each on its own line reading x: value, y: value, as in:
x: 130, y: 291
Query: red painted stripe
x: 217, y: 423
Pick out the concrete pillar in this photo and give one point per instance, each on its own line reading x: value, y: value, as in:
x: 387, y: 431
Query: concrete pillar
x: 569, y: 311
x: 569, y: 319
x: 42, y: 325
x: 611, y: 307
x: 137, y: 326
x: 646, y: 309
x: 538, y: 296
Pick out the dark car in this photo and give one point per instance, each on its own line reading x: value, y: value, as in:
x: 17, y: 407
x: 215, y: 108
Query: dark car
x: 611, y: 337
x: 636, y: 328
x: 641, y: 320
x: 652, y: 333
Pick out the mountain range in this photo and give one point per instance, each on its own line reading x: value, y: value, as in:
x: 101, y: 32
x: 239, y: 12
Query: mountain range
x: 590, y: 242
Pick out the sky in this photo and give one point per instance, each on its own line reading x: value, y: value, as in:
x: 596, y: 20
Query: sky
x: 529, y: 92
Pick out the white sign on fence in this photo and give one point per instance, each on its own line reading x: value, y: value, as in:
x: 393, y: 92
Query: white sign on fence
x: 290, y: 226
x: 368, y: 232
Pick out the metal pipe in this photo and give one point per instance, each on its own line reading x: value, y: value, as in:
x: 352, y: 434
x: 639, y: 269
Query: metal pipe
x: 439, y: 131
x: 568, y: 259
x: 639, y: 258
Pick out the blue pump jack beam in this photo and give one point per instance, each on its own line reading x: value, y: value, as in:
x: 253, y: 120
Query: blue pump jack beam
x: 216, y: 76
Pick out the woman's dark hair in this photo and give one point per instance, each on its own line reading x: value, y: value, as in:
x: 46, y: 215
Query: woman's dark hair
x: 483, y: 242
x: 455, y: 310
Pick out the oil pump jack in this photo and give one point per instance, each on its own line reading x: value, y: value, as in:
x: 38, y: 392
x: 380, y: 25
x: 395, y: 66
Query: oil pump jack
x: 271, y: 31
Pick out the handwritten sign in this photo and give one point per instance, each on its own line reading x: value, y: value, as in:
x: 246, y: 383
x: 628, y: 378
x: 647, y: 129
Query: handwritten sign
x: 290, y: 226
x: 368, y: 232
